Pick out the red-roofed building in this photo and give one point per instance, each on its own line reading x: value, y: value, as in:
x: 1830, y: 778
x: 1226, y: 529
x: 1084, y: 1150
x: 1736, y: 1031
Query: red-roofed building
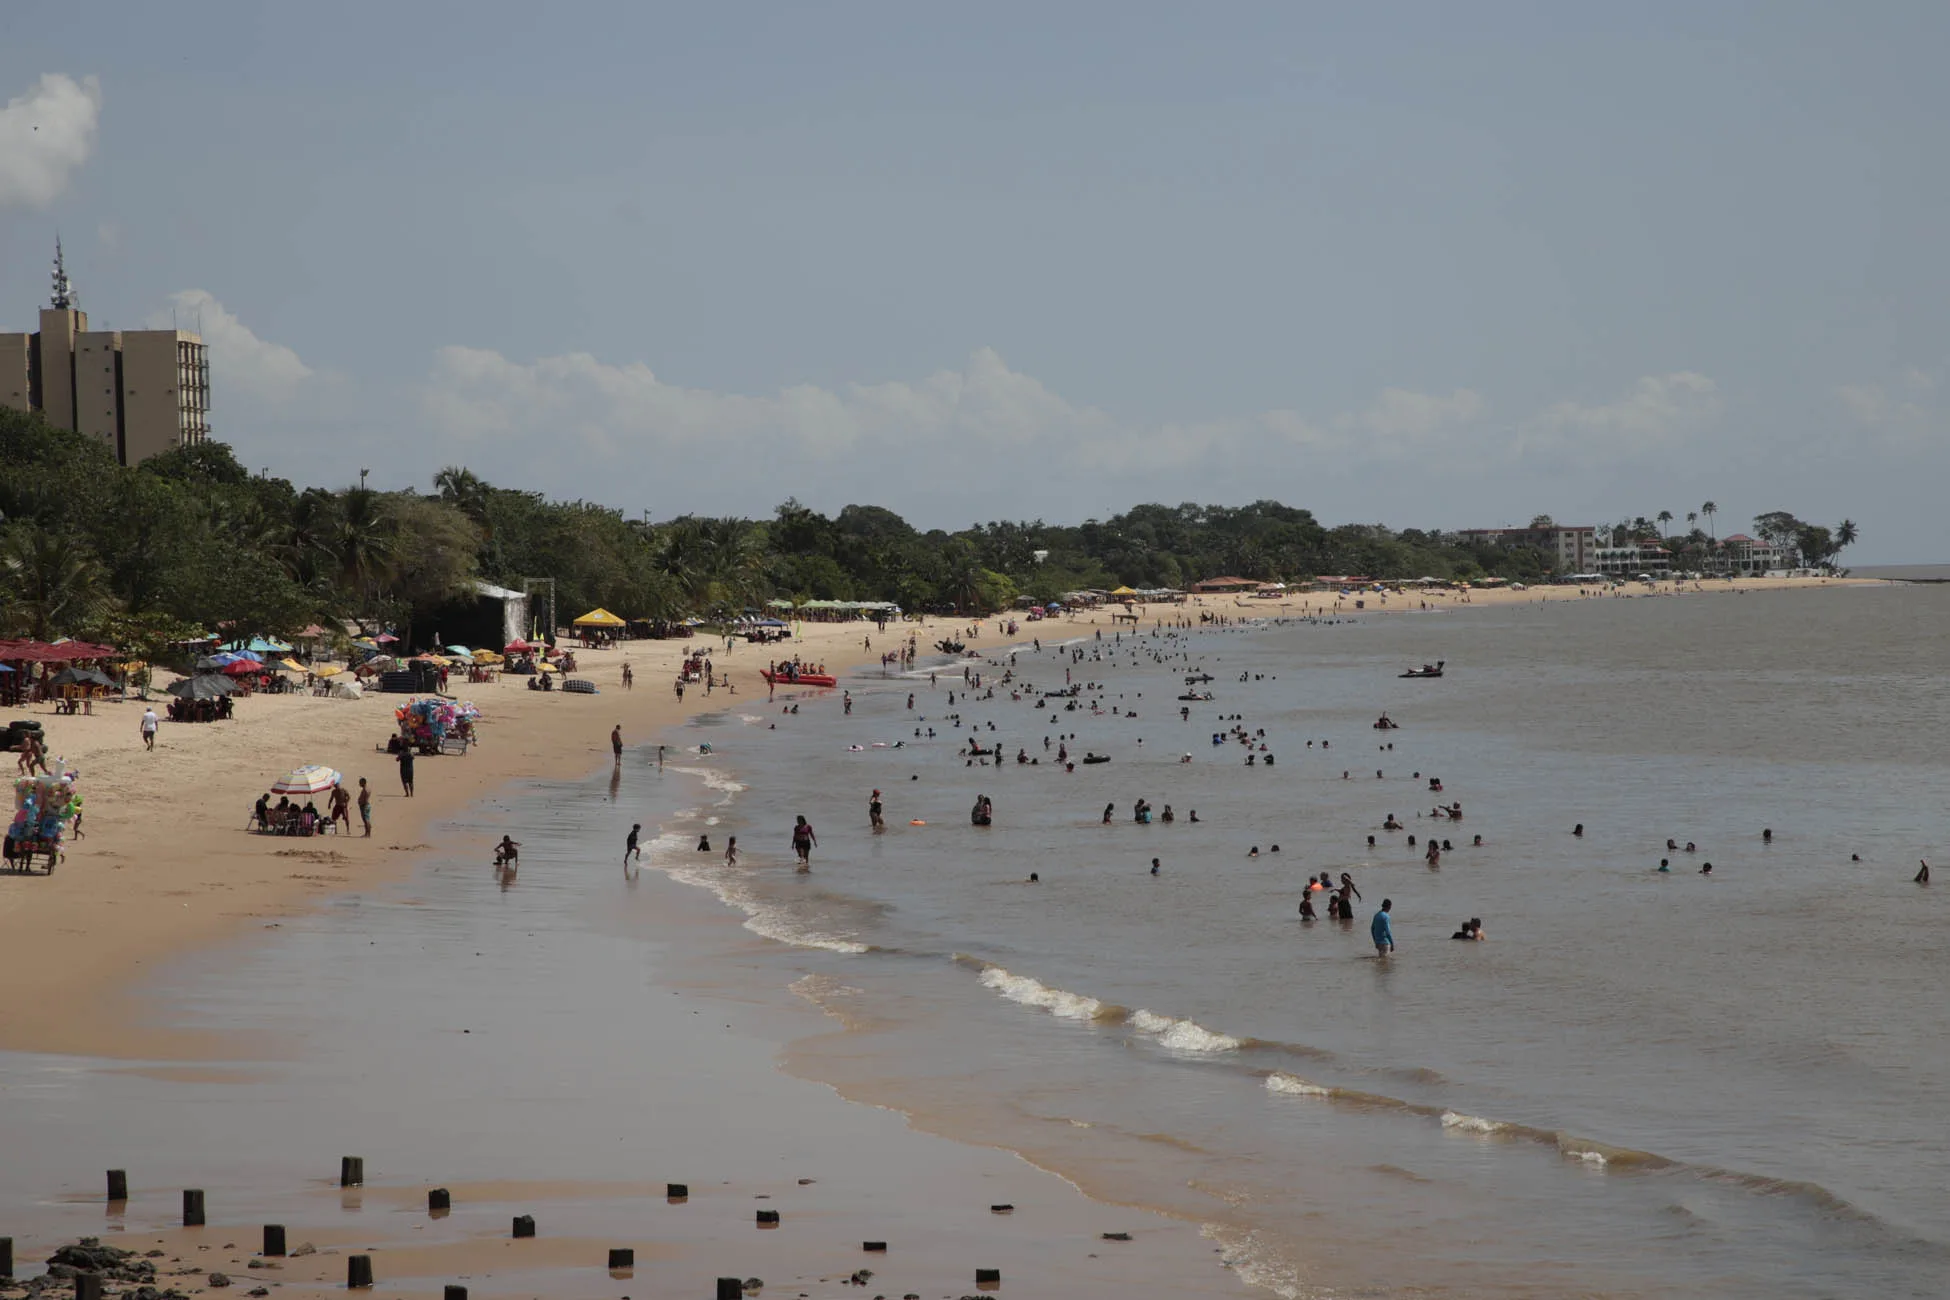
x: 1221, y: 585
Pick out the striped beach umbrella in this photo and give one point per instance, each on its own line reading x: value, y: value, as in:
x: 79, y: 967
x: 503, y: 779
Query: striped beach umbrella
x: 309, y: 779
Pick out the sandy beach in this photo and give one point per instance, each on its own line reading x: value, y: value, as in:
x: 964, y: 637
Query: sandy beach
x: 166, y: 869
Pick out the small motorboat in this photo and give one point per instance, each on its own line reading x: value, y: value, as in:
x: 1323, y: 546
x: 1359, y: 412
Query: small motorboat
x: 803, y: 679
x: 1194, y: 695
x: 1096, y: 758
x: 1427, y: 670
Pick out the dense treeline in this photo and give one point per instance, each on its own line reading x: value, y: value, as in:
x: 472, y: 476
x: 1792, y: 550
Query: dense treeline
x: 192, y: 540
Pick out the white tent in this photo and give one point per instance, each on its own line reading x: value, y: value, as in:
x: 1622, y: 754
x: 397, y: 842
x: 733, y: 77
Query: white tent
x: 347, y: 688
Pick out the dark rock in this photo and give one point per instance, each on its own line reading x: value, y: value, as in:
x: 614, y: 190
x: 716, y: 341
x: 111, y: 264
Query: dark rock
x: 1117, y: 1236
x: 304, y: 1248
x: 754, y: 1284
x: 219, y: 1279
x: 259, y: 1291
x: 861, y: 1277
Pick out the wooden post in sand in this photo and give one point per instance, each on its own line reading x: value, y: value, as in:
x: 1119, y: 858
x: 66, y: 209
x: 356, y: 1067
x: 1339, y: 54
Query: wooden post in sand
x: 524, y: 1225
x: 622, y: 1257
x: 352, y: 1171
x: 874, y: 1247
x: 988, y: 1277
x: 87, y: 1286
x: 192, y: 1207
x: 273, y: 1240
x: 731, y: 1288
x: 358, y: 1272
x: 768, y: 1218
x: 439, y: 1201
x: 677, y: 1191
x: 6, y: 1256
x: 118, y: 1185
x: 453, y: 1293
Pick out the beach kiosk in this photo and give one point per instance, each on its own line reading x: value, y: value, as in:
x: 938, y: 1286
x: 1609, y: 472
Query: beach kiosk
x: 599, y: 626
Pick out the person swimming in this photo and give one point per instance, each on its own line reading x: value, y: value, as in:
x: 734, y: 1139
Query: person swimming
x: 1578, y: 830
x: 1665, y: 864
x: 1307, y: 912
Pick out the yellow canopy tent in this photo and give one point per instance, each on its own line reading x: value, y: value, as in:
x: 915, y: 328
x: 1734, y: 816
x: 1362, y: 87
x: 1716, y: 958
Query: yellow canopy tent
x: 599, y: 617
x: 292, y: 664
x: 1124, y: 591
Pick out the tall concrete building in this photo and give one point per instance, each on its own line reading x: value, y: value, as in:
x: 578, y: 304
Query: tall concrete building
x: 141, y: 392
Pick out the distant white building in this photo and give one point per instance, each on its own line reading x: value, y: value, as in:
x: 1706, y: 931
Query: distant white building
x: 1749, y: 557
x: 1571, y: 547
x: 1632, y: 559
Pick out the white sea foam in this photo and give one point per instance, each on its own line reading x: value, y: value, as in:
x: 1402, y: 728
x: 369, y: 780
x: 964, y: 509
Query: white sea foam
x: 1182, y: 1035
x: 1294, y: 1086
x: 1460, y: 1123
x: 1034, y: 993
x: 673, y: 852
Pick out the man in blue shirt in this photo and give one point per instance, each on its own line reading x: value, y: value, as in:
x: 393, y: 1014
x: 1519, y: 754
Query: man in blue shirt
x: 1379, y: 929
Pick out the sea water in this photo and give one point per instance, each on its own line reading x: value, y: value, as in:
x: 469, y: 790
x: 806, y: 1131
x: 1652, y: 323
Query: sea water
x: 1642, y: 1083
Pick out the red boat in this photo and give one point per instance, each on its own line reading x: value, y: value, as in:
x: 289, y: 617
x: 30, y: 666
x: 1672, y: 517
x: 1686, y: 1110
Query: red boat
x: 803, y: 679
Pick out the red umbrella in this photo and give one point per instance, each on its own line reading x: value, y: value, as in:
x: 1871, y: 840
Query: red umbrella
x: 242, y: 668
x: 516, y: 646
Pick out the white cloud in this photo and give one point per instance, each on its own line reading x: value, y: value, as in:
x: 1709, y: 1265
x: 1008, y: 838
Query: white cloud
x: 985, y: 409
x: 240, y: 361
x: 1658, y: 413
x: 478, y: 394
x: 44, y: 136
x: 1905, y: 413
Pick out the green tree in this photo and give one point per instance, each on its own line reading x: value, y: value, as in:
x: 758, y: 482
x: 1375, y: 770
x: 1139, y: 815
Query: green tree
x: 53, y: 585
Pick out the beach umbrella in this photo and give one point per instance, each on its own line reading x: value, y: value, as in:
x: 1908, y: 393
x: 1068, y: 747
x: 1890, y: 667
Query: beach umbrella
x: 81, y: 677
x: 241, y: 668
x: 327, y: 670
x: 386, y: 638
x: 460, y: 650
x: 204, y: 686
x: 309, y: 779
x: 599, y: 617
x: 516, y: 647
x: 292, y: 664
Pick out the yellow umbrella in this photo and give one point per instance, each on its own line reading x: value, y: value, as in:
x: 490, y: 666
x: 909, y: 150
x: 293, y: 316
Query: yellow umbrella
x: 328, y: 670
x: 486, y: 657
x: 599, y: 617
x: 541, y: 667
x: 293, y: 665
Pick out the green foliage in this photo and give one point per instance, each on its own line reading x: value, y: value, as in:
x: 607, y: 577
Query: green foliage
x: 191, y: 540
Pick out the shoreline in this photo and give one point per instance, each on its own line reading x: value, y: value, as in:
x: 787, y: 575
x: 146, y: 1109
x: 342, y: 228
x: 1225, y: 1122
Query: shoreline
x: 73, y: 948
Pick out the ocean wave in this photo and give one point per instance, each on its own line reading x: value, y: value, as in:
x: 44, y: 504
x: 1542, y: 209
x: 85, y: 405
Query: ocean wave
x: 1060, y: 1003
x: 1458, y: 1123
x: 763, y: 917
x: 1182, y: 1035
x: 1293, y: 1085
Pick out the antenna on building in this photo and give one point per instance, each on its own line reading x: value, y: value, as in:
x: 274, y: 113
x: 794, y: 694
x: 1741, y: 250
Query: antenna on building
x: 64, y: 293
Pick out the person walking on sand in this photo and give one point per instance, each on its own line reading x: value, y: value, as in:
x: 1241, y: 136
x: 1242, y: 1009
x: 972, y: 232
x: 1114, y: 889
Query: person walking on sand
x: 365, y: 806
x: 616, y: 742
x: 1381, y: 932
x: 660, y: 758
x: 341, y: 806
x: 629, y: 678
x: 630, y: 847
x: 406, y: 769
x: 803, y: 842
x: 149, y: 724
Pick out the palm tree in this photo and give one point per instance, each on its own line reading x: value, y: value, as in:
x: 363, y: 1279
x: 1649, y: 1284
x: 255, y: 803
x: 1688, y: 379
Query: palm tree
x: 362, y: 541
x: 1846, y: 533
x: 1665, y: 522
x: 53, y: 584
x: 1692, y: 520
x: 1709, y: 510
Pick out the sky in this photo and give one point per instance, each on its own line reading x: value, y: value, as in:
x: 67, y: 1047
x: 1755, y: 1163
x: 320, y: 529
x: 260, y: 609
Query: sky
x: 1427, y: 264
